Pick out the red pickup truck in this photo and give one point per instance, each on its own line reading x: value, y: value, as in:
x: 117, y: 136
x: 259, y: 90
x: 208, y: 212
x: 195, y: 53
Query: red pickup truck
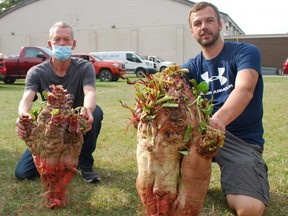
x: 106, y: 71
x: 12, y: 68
x: 2, y: 69
x: 285, y: 68
x: 16, y: 67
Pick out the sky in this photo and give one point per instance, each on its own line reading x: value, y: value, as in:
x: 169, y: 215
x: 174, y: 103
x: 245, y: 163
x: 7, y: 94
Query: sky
x: 256, y: 16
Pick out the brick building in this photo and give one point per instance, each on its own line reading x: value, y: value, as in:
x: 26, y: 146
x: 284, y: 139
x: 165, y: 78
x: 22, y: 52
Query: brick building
x: 273, y: 48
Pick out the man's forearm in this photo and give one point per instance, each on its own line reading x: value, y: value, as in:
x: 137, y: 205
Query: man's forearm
x: 234, y: 106
x: 90, y: 100
x: 26, y: 102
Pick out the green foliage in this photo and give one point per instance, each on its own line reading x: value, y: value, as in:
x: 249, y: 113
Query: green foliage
x: 55, y: 111
x: 34, y: 113
x: 115, y: 159
x: 204, y: 106
x: 201, y: 88
x: 7, y: 4
x: 188, y: 134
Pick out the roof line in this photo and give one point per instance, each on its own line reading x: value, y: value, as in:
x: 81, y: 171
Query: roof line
x: 17, y: 6
x: 191, y: 3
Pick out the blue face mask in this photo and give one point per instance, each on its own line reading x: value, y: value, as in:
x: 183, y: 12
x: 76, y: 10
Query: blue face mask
x: 61, y: 53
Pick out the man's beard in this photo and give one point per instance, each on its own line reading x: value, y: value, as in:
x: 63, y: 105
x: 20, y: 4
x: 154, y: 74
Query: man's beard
x: 210, y: 42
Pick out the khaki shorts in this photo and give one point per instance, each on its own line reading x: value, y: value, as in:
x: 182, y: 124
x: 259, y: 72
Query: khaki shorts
x: 243, y: 170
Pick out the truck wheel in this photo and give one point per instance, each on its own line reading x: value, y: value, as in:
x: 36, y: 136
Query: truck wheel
x: 9, y: 80
x: 162, y: 68
x: 105, y: 76
x: 140, y: 73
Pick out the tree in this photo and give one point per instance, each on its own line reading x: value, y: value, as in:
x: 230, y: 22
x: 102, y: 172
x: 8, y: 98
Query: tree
x: 7, y: 4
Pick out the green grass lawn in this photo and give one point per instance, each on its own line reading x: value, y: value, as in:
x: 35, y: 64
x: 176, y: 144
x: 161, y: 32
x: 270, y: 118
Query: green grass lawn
x: 115, y: 159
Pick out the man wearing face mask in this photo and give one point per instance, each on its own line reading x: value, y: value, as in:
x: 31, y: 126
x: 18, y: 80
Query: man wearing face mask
x: 78, y: 77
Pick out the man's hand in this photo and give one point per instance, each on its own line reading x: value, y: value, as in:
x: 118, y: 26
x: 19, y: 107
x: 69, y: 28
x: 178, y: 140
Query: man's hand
x: 217, y: 123
x: 21, y: 130
x: 86, y: 113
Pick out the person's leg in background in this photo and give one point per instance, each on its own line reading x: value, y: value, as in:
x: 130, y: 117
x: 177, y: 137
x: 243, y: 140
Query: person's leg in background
x: 26, y: 169
x: 86, y: 159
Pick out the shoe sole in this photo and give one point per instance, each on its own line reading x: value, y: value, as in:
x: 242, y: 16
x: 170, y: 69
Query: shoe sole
x: 89, y: 180
x: 92, y: 180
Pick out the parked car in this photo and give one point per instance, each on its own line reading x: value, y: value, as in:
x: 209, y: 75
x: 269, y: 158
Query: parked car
x: 285, y: 68
x: 16, y: 66
x: 161, y: 64
x: 270, y: 71
x: 2, y: 69
x: 134, y: 63
x: 106, y: 71
x: 2, y: 55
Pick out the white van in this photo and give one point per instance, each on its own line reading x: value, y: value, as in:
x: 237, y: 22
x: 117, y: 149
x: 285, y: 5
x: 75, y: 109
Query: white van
x: 134, y: 63
x: 161, y: 64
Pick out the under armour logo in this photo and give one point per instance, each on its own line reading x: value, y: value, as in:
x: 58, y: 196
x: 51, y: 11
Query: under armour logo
x: 222, y: 79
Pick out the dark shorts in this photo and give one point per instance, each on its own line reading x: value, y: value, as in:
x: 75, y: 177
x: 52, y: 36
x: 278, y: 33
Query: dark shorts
x: 243, y: 170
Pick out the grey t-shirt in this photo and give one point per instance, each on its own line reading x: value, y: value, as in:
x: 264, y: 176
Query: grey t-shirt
x: 79, y: 74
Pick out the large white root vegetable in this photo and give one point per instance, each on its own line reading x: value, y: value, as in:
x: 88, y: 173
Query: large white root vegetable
x: 175, y: 143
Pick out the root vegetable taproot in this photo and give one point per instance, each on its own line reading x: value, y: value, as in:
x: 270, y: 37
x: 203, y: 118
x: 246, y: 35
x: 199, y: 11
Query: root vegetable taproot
x: 55, y: 140
x: 175, y: 143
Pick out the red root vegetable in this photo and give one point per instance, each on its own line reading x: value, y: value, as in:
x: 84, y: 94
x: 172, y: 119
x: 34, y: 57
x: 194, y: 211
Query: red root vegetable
x: 55, y: 140
x: 175, y: 143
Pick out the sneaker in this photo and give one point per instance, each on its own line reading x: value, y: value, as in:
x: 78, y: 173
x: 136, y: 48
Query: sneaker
x: 90, y: 176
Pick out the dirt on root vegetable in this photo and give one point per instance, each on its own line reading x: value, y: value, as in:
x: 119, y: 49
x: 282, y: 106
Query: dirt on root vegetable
x: 175, y: 142
x: 55, y: 140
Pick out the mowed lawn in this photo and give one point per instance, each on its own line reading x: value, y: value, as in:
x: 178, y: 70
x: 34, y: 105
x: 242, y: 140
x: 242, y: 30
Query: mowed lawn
x: 115, y: 159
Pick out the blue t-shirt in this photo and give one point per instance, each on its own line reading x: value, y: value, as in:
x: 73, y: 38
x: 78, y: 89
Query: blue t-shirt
x: 220, y: 73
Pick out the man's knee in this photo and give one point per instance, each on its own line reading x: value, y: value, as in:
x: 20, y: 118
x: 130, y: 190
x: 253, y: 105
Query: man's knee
x: 25, y: 169
x: 19, y: 174
x: 98, y: 117
x: 98, y: 114
x: 245, y: 205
